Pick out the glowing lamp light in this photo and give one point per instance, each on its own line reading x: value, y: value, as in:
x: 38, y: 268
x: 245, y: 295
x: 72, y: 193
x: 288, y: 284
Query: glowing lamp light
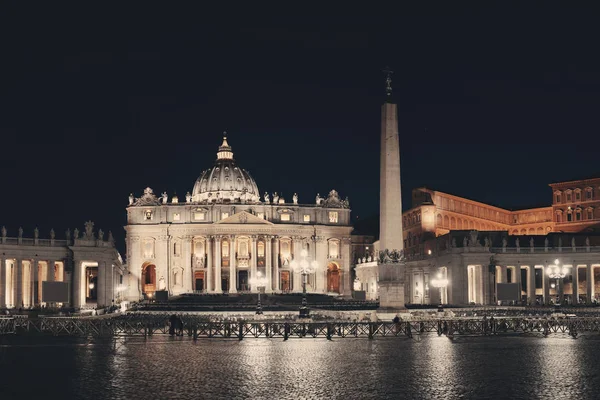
x: 439, y: 282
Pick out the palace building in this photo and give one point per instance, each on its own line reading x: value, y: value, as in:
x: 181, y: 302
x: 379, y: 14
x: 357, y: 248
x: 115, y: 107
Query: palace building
x: 224, y: 233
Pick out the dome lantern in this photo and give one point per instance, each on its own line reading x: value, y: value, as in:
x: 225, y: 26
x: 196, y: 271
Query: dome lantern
x: 225, y: 152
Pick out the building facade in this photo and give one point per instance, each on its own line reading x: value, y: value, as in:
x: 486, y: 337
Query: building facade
x: 437, y: 216
x: 224, y: 234
x: 89, y: 264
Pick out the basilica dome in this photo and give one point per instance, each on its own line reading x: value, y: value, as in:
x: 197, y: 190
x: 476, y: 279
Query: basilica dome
x: 225, y: 181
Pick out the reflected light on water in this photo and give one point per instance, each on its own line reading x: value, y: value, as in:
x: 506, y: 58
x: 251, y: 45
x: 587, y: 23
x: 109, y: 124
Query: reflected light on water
x: 428, y: 367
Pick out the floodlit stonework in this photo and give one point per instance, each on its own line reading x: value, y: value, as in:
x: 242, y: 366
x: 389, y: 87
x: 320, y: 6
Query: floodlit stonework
x: 89, y: 263
x: 474, y: 246
x: 223, y: 232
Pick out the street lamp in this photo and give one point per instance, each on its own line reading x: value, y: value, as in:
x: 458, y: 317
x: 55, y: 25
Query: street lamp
x: 557, y: 272
x: 304, y: 267
x: 440, y: 282
x: 258, y: 281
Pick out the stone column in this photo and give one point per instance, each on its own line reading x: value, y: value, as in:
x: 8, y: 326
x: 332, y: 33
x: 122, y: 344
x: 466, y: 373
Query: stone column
x: 253, y: 262
x: 19, y: 288
x: 31, y: 283
x: 77, y: 283
x: 531, y: 285
x: 101, y: 289
x: 321, y: 254
x: 346, y: 289
x: 209, y: 266
x: 268, y: 270
x: 275, y: 260
x: 3, y: 285
x: 217, y: 244
x: 518, y: 281
x: 187, y: 252
x: 575, y: 285
x: 297, y: 248
x: 546, y: 285
x: 589, y: 283
x: 50, y: 271
x: 232, y: 266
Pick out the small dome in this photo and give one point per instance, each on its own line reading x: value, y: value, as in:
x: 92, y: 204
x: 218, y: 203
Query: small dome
x: 225, y: 181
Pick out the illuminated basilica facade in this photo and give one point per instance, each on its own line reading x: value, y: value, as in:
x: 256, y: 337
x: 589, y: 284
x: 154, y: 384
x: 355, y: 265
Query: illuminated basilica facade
x: 224, y: 233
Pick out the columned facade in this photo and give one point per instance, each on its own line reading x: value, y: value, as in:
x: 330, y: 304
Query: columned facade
x: 83, y: 271
x: 475, y: 263
x: 217, y: 240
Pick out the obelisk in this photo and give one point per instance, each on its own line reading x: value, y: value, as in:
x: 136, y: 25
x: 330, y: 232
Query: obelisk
x: 390, y: 193
x: 390, y: 269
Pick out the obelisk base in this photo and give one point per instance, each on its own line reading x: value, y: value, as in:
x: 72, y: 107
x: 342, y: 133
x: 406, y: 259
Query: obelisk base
x: 391, y: 286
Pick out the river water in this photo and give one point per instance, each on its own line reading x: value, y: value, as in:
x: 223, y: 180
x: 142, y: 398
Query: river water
x: 433, y: 367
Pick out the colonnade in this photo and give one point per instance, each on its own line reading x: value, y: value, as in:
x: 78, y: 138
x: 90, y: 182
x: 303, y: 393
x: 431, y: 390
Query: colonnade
x: 21, y: 280
x: 551, y: 288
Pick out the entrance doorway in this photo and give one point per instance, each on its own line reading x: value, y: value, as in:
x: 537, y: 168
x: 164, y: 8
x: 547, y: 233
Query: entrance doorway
x: 199, y: 281
x: 148, y: 280
x: 285, y: 281
x: 333, y: 278
x: 242, y: 281
x: 224, y: 284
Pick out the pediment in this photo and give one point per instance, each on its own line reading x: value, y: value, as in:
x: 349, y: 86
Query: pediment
x: 244, y: 217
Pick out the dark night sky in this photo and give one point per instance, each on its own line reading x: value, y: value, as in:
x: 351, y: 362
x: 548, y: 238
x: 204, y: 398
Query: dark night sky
x: 494, y: 103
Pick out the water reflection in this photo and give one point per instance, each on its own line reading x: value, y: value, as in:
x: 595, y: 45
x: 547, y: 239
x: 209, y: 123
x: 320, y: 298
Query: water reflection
x: 434, y: 367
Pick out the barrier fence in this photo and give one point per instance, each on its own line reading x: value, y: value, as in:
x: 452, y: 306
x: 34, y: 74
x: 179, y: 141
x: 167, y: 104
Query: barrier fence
x: 199, y: 327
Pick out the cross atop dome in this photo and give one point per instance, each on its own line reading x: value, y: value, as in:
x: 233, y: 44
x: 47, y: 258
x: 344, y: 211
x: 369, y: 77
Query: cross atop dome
x: 225, y: 152
x: 388, y: 82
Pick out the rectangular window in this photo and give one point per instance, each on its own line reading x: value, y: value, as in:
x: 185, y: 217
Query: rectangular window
x: 333, y: 217
x: 588, y: 195
x: 569, y: 217
x: 285, y: 217
x: 306, y: 218
x: 260, y: 215
x: 578, y: 216
x: 176, y: 217
x: 199, y: 216
x: 577, y: 196
x: 590, y: 214
x: 224, y: 215
x: 558, y: 198
x: 568, y: 196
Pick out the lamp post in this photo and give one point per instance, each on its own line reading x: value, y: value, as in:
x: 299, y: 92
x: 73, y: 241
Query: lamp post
x: 557, y: 272
x: 258, y: 281
x: 440, y: 282
x: 304, y: 267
